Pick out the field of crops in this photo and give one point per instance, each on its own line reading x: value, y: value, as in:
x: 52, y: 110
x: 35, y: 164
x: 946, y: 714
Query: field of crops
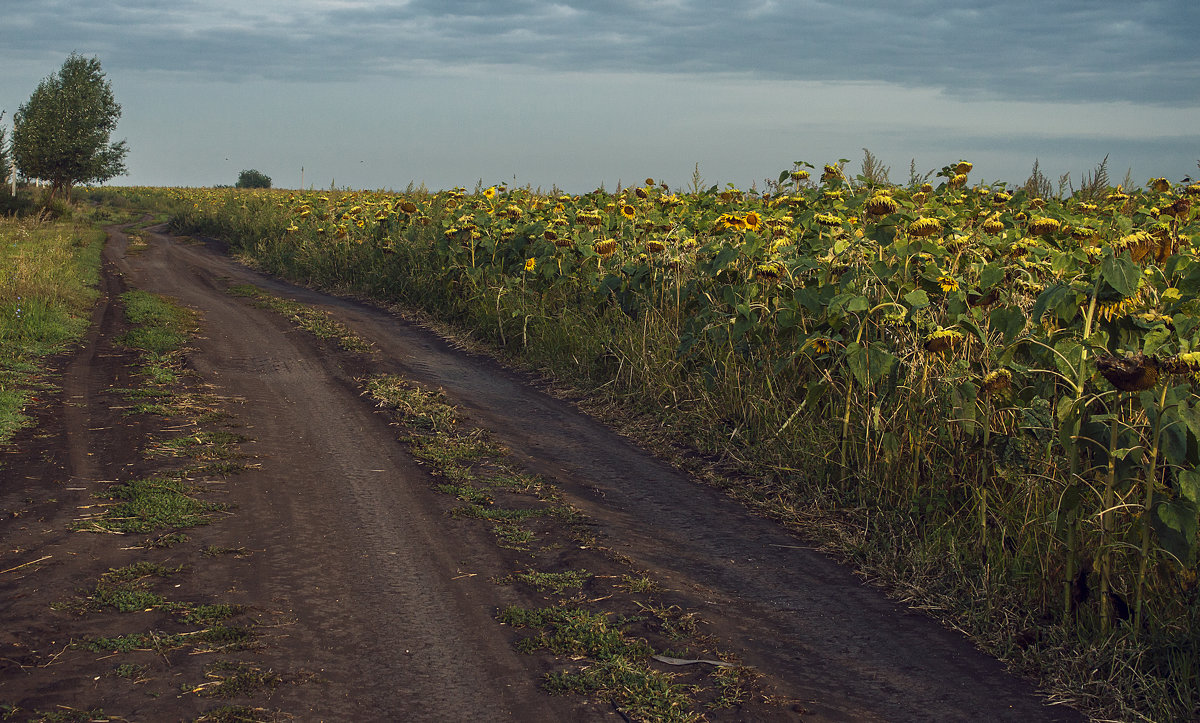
x: 997, y: 391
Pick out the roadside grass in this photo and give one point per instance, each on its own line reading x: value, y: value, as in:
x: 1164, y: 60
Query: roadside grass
x: 319, y: 323
x: 49, y: 271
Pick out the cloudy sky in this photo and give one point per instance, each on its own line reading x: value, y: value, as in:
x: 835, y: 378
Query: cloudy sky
x: 577, y: 94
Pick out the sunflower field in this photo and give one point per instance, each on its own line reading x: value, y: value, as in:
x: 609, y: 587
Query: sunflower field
x: 996, y: 392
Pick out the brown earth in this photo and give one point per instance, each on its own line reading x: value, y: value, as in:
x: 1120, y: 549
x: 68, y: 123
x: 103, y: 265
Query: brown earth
x: 369, y: 602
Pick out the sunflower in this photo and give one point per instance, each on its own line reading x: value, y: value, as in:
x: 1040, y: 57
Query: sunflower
x: 948, y: 283
x: 1160, y: 185
x: 752, y: 221
x: 828, y: 219
x: 924, y: 226
x: 490, y: 193
x: 605, y: 247
x: 1131, y: 373
x: 530, y: 265
x: 963, y: 168
x: 993, y: 226
x: 1042, y: 226
x: 628, y: 211
x: 943, y: 340
x: 820, y: 344
x: 958, y: 180
x: 771, y: 270
x: 997, y: 381
x: 641, y: 193
x: 799, y: 175
x: 655, y: 246
x: 831, y: 173
x: 882, y: 204
x: 408, y: 207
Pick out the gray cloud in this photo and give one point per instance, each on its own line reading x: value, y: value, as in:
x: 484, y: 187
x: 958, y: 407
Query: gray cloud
x: 1111, y: 50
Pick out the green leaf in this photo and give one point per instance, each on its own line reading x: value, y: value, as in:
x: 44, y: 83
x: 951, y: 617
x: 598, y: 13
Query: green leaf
x: 990, y: 275
x: 1175, y: 523
x: 1189, y: 486
x: 1008, y: 320
x: 1122, y: 274
x: 1155, y: 339
x: 868, y: 364
x: 917, y: 299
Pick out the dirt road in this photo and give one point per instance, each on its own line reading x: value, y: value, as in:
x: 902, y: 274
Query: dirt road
x: 387, y: 610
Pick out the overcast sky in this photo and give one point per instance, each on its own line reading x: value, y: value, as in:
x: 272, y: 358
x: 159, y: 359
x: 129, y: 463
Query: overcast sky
x: 575, y: 94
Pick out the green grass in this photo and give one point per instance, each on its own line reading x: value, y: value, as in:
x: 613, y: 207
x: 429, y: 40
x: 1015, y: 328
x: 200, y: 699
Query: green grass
x: 318, y: 323
x: 229, y: 680
x: 616, y: 665
x: 145, y: 505
x: 555, y: 582
x: 48, y: 277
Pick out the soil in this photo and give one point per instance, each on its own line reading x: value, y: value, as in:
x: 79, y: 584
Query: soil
x: 369, y: 601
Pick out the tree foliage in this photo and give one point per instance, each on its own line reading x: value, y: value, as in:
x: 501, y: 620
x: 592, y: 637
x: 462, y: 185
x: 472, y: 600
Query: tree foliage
x: 253, y: 179
x: 61, y: 134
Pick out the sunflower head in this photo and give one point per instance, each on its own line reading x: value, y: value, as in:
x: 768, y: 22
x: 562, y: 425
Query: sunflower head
x: 605, y: 247
x: 997, y: 381
x: 881, y: 204
x: 751, y: 221
x: 948, y: 283
x: 963, y: 168
x: 993, y: 226
x: 530, y: 265
x: 1043, y: 226
x: 924, y: 226
x: 1160, y: 185
x: 628, y: 211
x: 943, y: 340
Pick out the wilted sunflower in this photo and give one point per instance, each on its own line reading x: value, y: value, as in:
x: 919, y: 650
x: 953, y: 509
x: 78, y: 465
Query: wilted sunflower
x: 830, y: 173
x: 963, y: 167
x: 655, y: 246
x: 942, y: 340
x: 800, y: 175
x: 924, y: 226
x: 688, y: 243
x: 605, y: 247
x: 881, y: 204
x: 771, y: 270
x: 641, y: 193
x: 828, y: 219
x: 958, y: 180
x: 1160, y: 185
x: 997, y: 381
x: 993, y: 226
x: 1043, y: 226
x: 1081, y: 233
x: 1130, y: 373
x: 1139, y: 244
x: 1185, y: 363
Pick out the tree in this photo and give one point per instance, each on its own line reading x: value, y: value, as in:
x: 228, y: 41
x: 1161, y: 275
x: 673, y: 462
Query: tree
x: 253, y: 179
x: 4, y: 170
x: 62, y: 134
